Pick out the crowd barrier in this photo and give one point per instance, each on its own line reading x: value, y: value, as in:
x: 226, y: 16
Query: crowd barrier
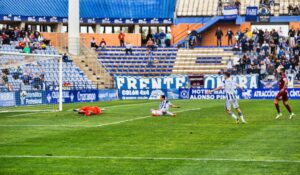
x: 23, y: 98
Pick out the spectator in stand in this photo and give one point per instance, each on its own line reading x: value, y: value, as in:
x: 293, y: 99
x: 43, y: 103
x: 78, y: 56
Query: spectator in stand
x: 150, y: 45
x: 5, y: 38
x: 192, y: 39
x: 265, y: 47
x: 248, y: 34
x: 275, y: 36
x: 187, y: 40
x: 244, y: 44
x: 32, y: 37
x: 290, y: 9
x: 219, y: 8
x: 65, y: 58
x: 272, y: 47
x: 149, y: 36
x: 26, y: 39
x: 26, y: 48
x: 16, y: 34
x: 219, y: 35
x: 43, y: 46
x: 128, y: 48
x: 260, y: 37
x: 94, y: 43
x: 103, y: 44
x: 230, y: 66
x: 162, y: 37
x: 199, y: 39
x: 122, y: 38
x: 237, y: 5
x: 156, y: 38
x: 239, y: 35
x: 296, y: 11
x: 168, y: 39
x: 292, y: 34
x: 40, y: 38
x: 229, y: 35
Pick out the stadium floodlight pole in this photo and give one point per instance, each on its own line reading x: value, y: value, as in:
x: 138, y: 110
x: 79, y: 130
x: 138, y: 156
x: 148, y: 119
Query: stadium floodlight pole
x: 60, y: 105
x: 73, y: 28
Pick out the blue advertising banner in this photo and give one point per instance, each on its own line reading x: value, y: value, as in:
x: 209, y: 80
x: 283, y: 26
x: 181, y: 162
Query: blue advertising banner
x: 108, y: 95
x: 230, y: 12
x: 24, y: 98
x: 7, y: 99
x: 54, y: 19
x: 201, y: 94
x: 72, y: 96
x: 173, y: 93
x: 251, y: 14
x: 293, y: 93
x: 247, y: 81
x: 135, y: 94
x: 151, y: 83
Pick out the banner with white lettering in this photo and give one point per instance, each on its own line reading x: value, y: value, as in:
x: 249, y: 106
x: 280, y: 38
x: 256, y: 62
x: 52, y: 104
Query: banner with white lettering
x: 151, y: 83
x: 107, y: 95
x: 138, y: 94
x: 24, y: 98
x: 247, y: 81
x: 230, y: 12
x: 201, y: 94
x: 72, y: 96
x: 7, y: 99
x: 251, y: 13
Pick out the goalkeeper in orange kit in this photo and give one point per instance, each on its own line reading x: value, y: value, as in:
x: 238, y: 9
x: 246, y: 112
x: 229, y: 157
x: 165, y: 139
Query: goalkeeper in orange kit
x: 89, y: 110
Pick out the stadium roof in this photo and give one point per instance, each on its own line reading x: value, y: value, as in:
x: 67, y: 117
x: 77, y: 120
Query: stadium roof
x: 91, y: 8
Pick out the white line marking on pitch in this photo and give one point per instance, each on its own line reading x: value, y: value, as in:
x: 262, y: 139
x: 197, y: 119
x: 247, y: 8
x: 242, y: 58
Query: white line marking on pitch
x: 153, y: 158
x: 105, y: 124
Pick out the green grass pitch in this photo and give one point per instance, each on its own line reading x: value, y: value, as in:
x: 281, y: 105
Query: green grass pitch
x: 125, y: 140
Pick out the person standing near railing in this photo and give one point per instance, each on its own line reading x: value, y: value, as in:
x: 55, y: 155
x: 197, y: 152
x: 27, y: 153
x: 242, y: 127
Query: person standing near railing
x: 122, y: 39
x: 168, y: 39
x: 219, y: 35
x: 229, y: 35
x: 219, y: 9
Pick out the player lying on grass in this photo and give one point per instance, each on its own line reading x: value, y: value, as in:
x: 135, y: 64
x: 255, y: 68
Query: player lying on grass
x: 230, y: 86
x: 89, y: 110
x: 164, y: 108
x: 283, y: 93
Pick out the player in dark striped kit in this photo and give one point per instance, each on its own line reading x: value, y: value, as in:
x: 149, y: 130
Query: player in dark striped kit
x: 282, y: 94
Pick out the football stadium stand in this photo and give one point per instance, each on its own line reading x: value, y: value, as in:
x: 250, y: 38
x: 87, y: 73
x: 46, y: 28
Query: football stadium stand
x: 201, y: 60
x: 92, y: 8
x: 141, y: 62
x: 182, y: 17
x: 40, y: 74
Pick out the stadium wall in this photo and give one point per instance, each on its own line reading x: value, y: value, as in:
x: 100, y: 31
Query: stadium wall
x: 179, y: 32
x: 209, y: 38
x: 61, y: 39
x: 296, y: 25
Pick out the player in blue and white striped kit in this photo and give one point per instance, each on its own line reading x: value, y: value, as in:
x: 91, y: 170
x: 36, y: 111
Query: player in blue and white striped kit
x: 164, y: 108
x: 231, y: 100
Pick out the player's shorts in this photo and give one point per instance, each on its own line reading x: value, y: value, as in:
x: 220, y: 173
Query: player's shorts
x: 230, y: 103
x: 282, y: 96
x: 158, y: 112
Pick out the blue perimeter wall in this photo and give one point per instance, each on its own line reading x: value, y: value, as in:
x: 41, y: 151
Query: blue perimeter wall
x: 75, y: 96
x: 239, y: 20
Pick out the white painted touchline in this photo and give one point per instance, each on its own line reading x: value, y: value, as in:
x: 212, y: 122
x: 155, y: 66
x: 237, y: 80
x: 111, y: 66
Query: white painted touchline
x: 105, y: 124
x: 153, y: 158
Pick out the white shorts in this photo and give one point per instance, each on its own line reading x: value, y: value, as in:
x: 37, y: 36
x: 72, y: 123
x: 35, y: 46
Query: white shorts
x: 230, y: 103
x: 158, y: 112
